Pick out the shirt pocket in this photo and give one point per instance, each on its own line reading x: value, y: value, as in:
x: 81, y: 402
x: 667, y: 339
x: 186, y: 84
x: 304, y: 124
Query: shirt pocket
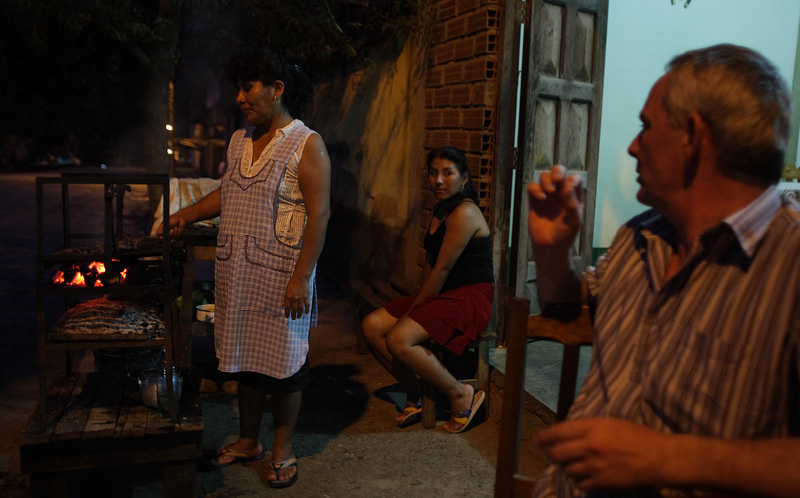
x: 262, y: 277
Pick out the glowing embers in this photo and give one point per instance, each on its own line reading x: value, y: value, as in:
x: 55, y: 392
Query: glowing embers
x: 91, y: 274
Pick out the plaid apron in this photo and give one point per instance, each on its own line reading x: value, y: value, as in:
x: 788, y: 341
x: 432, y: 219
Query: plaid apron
x: 260, y: 234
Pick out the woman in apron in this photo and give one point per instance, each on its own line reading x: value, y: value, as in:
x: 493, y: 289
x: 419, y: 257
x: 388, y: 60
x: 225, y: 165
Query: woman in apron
x: 273, y: 204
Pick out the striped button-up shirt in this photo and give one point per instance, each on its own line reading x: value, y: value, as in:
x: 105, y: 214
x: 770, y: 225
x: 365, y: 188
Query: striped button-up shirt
x: 712, y: 351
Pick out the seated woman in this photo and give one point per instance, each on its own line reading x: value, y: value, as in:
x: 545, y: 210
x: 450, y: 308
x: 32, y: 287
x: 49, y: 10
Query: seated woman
x: 454, y: 303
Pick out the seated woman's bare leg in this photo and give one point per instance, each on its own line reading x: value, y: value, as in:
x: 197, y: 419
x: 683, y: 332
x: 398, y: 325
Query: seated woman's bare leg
x: 404, y: 343
x: 376, y: 327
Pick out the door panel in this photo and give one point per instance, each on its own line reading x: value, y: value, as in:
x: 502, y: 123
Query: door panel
x: 563, y: 54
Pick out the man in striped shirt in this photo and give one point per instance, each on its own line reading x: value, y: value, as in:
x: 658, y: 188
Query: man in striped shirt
x: 693, y: 387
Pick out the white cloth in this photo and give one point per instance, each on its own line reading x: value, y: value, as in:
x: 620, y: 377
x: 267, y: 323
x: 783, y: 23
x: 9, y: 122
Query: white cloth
x: 184, y: 192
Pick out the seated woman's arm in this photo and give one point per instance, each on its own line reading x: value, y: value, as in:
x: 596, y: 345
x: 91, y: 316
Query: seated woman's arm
x: 463, y: 223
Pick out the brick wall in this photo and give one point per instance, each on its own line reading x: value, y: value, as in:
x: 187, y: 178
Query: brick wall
x: 460, y: 94
x: 462, y: 81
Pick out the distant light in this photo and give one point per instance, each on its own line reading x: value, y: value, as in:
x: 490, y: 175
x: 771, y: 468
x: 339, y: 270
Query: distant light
x: 169, y: 151
x: 103, y: 166
x: 169, y: 127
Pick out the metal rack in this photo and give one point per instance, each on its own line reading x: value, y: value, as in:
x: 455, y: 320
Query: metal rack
x: 158, y: 256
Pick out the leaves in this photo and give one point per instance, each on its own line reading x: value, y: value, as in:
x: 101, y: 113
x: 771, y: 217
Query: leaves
x: 332, y: 33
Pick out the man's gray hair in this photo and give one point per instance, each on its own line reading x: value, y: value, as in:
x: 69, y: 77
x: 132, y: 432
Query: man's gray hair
x: 744, y: 101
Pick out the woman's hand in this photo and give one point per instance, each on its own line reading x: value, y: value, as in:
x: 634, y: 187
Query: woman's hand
x: 297, y: 299
x: 176, y: 226
x: 206, y: 208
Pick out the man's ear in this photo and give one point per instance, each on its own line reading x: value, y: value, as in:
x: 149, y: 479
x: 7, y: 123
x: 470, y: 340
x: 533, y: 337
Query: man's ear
x: 693, y: 129
x: 698, y: 144
x: 688, y: 130
x: 695, y: 132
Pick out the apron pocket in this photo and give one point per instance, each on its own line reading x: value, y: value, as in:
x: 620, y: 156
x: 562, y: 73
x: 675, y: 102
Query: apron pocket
x: 223, y: 270
x: 262, y: 278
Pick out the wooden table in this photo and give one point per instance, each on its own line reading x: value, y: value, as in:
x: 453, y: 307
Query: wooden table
x: 96, y: 421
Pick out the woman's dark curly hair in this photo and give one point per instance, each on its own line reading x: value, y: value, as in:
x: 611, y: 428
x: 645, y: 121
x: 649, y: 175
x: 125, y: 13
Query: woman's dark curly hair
x: 267, y: 66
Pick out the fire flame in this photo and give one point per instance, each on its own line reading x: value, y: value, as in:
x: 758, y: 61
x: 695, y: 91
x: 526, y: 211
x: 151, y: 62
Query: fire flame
x: 95, y: 269
x: 78, y: 280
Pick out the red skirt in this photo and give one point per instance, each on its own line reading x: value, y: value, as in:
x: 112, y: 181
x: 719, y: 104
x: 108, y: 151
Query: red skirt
x: 454, y: 318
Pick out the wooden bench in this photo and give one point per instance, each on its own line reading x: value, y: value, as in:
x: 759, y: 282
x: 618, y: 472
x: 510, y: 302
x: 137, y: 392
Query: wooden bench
x: 369, y: 295
x: 97, y: 421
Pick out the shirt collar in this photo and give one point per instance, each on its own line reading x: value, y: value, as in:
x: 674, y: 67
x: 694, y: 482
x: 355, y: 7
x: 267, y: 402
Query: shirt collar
x: 282, y: 132
x: 652, y: 224
x: 750, y: 223
x: 289, y: 127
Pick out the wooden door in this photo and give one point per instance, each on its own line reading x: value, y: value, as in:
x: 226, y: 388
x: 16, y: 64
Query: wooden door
x: 560, y: 46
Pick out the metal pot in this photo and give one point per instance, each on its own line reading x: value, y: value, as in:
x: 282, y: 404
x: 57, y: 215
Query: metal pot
x: 153, y: 387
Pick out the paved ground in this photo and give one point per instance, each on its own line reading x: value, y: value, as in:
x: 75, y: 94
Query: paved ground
x: 346, y: 441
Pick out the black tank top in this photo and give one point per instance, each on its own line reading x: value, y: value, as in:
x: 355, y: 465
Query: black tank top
x: 473, y: 266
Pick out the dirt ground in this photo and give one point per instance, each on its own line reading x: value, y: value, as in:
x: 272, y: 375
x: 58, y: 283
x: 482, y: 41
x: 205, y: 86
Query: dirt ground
x: 346, y: 441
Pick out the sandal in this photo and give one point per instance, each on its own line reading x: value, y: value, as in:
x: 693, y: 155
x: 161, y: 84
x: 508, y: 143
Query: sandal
x: 461, y: 419
x: 292, y: 462
x: 212, y: 462
x: 412, y: 414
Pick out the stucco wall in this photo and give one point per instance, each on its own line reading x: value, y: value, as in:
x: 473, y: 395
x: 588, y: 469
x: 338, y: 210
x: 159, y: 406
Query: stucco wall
x: 371, y: 122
